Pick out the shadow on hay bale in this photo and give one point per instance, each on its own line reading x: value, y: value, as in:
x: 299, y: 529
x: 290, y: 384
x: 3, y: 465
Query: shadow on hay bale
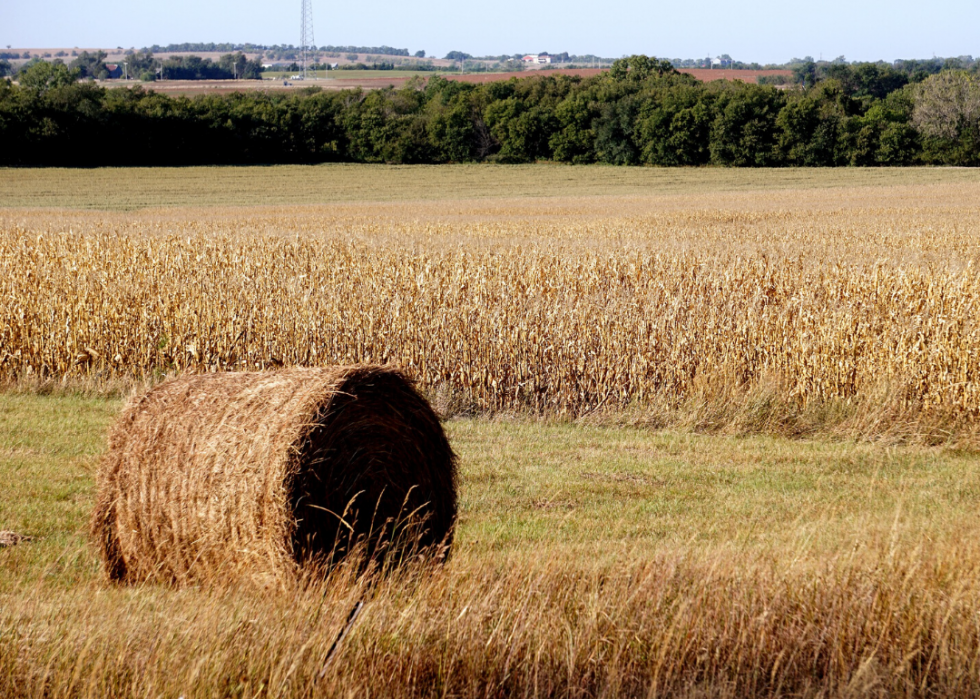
x: 264, y: 474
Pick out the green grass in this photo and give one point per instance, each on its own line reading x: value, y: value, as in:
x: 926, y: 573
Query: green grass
x: 138, y: 188
x: 601, y: 491
x: 578, y: 490
x: 48, y: 450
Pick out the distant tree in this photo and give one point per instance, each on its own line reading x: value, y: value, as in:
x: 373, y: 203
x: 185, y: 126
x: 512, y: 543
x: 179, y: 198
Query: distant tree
x: 40, y: 76
x: 234, y: 63
x: 744, y: 132
x: 616, y: 132
x: 805, y: 73
x: 376, y: 50
x: 639, y: 68
x: 420, y: 54
x: 252, y: 70
x: 90, y: 65
x: 947, y: 114
x: 865, y: 81
x: 675, y: 128
x: 947, y: 105
x: 573, y: 140
x: 5, y: 68
x: 883, y: 135
x: 141, y: 63
x: 812, y: 128
x: 457, y: 56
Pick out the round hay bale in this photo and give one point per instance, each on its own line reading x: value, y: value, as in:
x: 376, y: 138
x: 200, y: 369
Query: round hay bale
x: 262, y: 473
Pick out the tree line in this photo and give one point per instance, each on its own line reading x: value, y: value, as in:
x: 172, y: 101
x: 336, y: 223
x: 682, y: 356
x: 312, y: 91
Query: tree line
x: 641, y: 112
x: 143, y: 65
x: 210, y: 47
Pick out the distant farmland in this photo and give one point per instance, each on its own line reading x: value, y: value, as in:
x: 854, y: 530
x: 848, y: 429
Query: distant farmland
x: 342, y: 80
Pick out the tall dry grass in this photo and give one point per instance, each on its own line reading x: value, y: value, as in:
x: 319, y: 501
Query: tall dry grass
x: 878, y: 621
x: 567, y: 307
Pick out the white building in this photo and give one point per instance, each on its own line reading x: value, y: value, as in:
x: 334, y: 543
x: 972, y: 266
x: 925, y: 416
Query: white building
x: 541, y: 59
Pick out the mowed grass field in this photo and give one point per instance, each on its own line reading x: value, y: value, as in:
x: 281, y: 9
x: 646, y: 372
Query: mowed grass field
x: 124, y: 189
x: 717, y: 428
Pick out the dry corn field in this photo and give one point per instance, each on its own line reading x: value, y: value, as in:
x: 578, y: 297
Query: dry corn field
x: 558, y: 306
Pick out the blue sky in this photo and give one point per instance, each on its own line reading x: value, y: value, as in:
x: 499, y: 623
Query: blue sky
x: 764, y: 31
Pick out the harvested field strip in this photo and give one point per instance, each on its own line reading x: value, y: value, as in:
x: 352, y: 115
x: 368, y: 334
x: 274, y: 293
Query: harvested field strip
x: 140, y: 188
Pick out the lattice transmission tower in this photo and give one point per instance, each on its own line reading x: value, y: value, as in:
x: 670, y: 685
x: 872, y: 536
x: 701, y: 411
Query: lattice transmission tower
x: 308, y: 44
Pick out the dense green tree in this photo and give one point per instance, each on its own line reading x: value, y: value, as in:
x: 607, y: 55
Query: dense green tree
x: 141, y: 63
x: 322, y: 137
x: 680, y: 137
x: 515, y: 128
x: 252, y: 70
x: 883, y: 134
x: 237, y: 65
x: 40, y: 76
x: 805, y: 73
x: 814, y: 127
x: 616, y: 132
x: 745, y: 132
x: 197, y: 68
x: 867, y: 81
x: 449, y: 118
x: 675, y: 125
x: 91, y: 65
x: 639, y: 68
x: 573, y: 141
x: 383, y: 126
